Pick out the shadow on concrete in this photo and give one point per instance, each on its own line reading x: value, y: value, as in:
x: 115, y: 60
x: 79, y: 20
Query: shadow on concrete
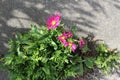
x: 117, y: 6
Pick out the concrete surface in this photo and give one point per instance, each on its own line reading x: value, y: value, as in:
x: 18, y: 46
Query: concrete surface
x: 98, y: 16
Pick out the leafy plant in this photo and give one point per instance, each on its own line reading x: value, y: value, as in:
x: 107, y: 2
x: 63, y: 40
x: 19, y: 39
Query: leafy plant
x: 107, y: 58
x: 43, y: 54
x: 52, y: 53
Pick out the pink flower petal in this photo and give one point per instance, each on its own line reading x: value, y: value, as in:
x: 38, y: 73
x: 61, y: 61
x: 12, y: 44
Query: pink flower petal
x: 53, y: 21
x: 81, y: 43
x: 74, y: 47
x: 64, y: 42
x: 69, y: 34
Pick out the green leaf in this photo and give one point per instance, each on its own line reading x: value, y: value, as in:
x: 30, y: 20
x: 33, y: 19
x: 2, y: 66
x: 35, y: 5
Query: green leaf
x: 45, y: 36
x: 74, y: 29
x: 18, y: 78
x: 8, y: 60
x: 42, y: 46
x: 43, y: 59
x: 101, y: 48
x: 54, y: 44
x: 79, y: 69
x: 85, y: 48
x: 46, y: 70
x: 89, y: 62
x: 66, y: 60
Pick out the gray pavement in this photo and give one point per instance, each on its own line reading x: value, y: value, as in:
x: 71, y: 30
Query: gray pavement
x: 98, y: 16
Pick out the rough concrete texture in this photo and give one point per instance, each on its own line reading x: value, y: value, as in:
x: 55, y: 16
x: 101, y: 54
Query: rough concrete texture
x: 98, y: 16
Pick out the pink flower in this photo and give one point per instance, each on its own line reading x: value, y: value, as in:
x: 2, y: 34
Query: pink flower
x: 67, y: 34
x: 64, y: 33
x: 53, y: 21
x: 73, y: 46
x: 64, y: 42
x: 81, y: 43
x: 62, y: 39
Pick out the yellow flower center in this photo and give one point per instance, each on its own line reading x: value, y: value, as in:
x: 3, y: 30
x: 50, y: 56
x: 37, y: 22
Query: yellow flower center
x: 70, y: 43
x: 53, y: 22
x: 63, y: 37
